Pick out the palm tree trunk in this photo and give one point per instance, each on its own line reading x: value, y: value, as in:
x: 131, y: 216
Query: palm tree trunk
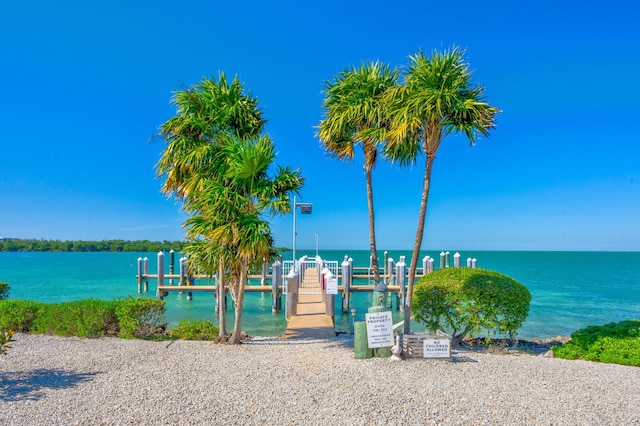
x: 372, y: 229
x: 222, y: 308
x: 418, y: 242
x: 238, y: 292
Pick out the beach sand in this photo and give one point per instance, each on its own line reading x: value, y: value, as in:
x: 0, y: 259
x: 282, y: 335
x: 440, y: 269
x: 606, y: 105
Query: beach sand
x: 48, y: 380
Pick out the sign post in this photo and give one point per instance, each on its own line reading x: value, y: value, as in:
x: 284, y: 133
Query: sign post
x: 379, y: 329
x: 332, y: 285
x: 436, y: 348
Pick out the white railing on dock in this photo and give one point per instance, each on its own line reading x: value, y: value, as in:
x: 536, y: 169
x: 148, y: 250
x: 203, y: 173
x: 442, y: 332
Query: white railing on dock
x: 311, y: 286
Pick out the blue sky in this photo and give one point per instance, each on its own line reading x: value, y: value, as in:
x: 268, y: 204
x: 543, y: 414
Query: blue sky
x: 86, y: 85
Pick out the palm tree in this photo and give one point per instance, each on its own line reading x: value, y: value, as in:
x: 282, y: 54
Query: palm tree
x: 436, y: 99
x: 217, y: 164
x: 355, y: 115
x: 208, y: 114
x: 232, y: 209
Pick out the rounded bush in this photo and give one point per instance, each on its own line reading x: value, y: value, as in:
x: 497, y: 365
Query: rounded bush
x: 195, y: 330
x: 464, y: 301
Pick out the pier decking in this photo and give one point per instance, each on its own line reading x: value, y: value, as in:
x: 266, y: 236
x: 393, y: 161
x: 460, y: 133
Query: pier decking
x: 310, y: 321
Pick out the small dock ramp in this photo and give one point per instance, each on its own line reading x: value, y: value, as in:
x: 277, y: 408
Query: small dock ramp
x: 311, y: 321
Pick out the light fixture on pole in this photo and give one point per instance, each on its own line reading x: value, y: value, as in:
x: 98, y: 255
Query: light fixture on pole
x: 305, y: 208
x: 316, y: 244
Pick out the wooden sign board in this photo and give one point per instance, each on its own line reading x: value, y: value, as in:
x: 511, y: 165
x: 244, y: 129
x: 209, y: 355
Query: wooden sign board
x: 332, y: 285
x: 436, y: 347
x: 379, y: 329
x: 426, y: 345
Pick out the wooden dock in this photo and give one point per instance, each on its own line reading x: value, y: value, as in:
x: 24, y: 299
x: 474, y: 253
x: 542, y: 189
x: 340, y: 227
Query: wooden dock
x: 310, y: 321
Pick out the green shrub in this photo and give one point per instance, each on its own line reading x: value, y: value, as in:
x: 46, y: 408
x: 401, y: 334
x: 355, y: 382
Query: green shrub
x: 616, y: 343
x: 82, y: 318
x: 18, y: 315
x: 6, y: 337
x: 128, y: 318
x: 195, y: 330
x: 465, y: 301
x: 140, y: 317
x: 4, y: 290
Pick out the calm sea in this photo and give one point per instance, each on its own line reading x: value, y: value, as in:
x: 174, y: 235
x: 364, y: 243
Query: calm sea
x: 570, y: 290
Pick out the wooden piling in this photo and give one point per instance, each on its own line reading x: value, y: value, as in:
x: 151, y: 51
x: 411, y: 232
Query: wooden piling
x: 140, y: 275
x: 347, y: 276
x: 292, y: 294
x: 145, y: 267
x: 276, y: 296
x: 159, y: 293
x: 171, y: 265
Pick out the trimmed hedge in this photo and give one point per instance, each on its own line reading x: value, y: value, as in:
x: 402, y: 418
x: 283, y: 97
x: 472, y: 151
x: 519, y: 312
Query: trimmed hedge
x: 82, y: 318
x: 127, y: 318
x: 19, y: 315
x: 465, y: 301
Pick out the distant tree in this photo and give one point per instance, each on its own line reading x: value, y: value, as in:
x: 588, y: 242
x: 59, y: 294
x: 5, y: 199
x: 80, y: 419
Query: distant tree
x: 354, y: 115
x: 83, y: 246
x: 436, y: 98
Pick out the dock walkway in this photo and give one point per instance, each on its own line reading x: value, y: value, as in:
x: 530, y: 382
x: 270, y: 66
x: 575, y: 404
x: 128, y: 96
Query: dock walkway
x: 311, y: 321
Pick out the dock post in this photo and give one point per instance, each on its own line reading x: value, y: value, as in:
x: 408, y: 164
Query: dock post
x: 456, y: 260
x: 183, y: 270
x: 276, y: 276
x: 171, y: 265
x: 346, y: 284
x: 190, y: 280
x: 468, y: 262
x: 446, y: 260
x: 302, y: 267
x: 474, y: 263
x: 389, y: 268
x: 159, y: 293
x: 431, y: 263
x: 145, y: 266
x: 329, y: 299
x: 442, y: 255
x: 386, y: 257
x: 425, y: 265
x: 292, y: 294
x: 265, y: 271
x: 140, y: 275
x: 319, y: 266
x: 401, y: 273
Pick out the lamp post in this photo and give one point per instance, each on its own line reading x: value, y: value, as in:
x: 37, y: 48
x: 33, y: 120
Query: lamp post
x: 316, y: 244
x: 305, y: 208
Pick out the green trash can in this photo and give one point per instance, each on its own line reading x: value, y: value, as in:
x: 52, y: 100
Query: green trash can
x: 360, y: 341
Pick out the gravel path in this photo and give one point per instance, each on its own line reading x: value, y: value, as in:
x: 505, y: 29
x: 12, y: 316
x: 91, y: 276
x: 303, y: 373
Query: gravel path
x: 47, y: 380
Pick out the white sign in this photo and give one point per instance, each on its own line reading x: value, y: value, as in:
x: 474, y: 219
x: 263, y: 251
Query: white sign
x: 379, y: 329
x: 332, y: 285
x: 436, y: 347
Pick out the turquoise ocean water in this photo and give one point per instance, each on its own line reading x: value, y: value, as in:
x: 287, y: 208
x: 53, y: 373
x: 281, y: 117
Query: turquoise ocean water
x: 570, y: 290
